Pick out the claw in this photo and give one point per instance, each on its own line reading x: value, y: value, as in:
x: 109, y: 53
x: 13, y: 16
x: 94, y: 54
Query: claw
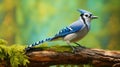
x: 77, y: 48
x: 75, y: 51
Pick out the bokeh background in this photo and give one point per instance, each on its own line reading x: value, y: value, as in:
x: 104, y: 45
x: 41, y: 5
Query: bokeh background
x: 27, y: 21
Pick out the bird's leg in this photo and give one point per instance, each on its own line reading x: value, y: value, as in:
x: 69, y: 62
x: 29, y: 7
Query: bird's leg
x: 73, y: 48
x: 79, y: 45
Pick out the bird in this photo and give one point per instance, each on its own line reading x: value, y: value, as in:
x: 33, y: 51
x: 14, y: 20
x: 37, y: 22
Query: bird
x: 72, y: 33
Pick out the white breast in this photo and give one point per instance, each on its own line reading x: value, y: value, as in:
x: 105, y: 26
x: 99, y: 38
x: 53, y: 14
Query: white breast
x: 76, y: 36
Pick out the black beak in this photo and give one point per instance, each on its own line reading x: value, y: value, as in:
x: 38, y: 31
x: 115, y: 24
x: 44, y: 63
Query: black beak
x: 94, y: 17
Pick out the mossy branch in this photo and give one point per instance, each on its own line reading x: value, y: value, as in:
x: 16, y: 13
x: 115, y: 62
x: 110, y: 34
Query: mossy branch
x: 15, y: 56
x: 95, y: 57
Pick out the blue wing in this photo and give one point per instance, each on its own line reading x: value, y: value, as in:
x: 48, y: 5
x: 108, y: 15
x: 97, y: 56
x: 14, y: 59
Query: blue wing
x: 76, y: 26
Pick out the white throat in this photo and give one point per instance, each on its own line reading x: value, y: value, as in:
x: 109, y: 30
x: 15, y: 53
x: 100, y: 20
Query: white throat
x: 86, y: 22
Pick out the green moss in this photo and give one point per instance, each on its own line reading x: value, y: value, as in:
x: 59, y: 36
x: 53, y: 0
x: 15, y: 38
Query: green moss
x: 3, y: 42
x: 13, y: 55
x: 55, y: 48
x: 60, y: 48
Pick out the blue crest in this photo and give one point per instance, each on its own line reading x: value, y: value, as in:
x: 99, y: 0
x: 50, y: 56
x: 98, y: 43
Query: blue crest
x: 83, y: 11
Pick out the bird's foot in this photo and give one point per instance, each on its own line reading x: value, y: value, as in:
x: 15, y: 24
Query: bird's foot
x: 81, y: 47
x: 78, y: 49
x: 75, y: 50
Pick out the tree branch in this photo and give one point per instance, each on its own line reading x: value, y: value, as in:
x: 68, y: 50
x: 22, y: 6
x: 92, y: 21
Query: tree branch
x: 95, y: 57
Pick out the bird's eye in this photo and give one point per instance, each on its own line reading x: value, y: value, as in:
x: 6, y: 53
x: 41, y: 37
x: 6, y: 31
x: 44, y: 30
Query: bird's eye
x: 86, y: 15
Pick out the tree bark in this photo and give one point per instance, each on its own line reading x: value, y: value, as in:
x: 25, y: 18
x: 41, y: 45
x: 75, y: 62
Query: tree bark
x: 94, y: 57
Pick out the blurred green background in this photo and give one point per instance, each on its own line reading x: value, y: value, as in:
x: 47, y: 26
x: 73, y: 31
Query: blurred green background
x: 28, y: 21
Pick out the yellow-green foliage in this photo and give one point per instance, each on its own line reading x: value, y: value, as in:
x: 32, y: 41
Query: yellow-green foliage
x: 13, y: 55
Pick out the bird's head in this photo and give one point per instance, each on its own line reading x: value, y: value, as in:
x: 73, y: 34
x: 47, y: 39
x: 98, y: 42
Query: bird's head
x: 86, y: 16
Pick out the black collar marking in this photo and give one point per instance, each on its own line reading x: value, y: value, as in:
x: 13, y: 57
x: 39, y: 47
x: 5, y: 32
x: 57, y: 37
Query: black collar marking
x: 84, y: 20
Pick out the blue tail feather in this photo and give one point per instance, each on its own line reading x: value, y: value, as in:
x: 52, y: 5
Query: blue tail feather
x: 39, y: 42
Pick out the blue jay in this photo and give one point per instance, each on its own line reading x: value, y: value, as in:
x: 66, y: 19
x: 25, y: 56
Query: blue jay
x: 74, y: 32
